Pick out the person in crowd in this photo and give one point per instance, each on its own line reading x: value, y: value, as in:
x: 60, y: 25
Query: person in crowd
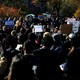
x: 21, y: 36
x: 17, y: 26
x: 32, y: 37
x: 73, y: 59
x: 46, y: 50
x: 21, y: 69
x: 9, y: 51
x: 46, y: 61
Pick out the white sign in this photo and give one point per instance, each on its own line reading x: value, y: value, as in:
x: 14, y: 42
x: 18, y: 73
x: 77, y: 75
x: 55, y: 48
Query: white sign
x: 38, y: 28
x: 76, y: 25
x: 62, y: 66
x: 70, y: 20
x: 18, y: 47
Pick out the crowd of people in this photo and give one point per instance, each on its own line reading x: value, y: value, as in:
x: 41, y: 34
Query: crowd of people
x: 41, y: 53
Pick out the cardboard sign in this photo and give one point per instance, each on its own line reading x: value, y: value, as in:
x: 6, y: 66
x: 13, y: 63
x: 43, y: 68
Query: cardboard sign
x: 66, y: 28
x: 38, y: 28
x: 9, y: 23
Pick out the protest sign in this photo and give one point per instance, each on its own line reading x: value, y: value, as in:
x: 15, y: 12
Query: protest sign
x: 76, y: 25
x: 38, y: 28
x: 66, y: 28
x: 9, y: 23
x: 70, y: 20
x: 18, y: 47
x: 40, y: 16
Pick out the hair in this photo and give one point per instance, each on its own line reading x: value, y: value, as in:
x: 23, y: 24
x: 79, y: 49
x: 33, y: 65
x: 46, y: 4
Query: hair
x: 13, y: 32
x: 47, y: 41
x: 11, y: 41
x: 46, y: 34
x: 32, y: 36
x: 28, y: 46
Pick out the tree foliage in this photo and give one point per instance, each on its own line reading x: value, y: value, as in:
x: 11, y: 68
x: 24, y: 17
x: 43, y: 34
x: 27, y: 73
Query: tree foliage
x: 60, y: 7
x: 68, y: 8
x: 77, y: 13
x: 12, y: 7
x: 8, y: 11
